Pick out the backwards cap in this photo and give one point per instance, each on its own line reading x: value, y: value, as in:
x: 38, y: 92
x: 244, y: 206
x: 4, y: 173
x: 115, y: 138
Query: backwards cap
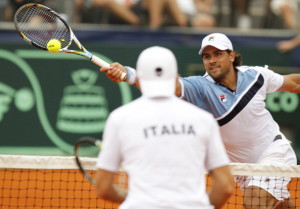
x: 218, y: 40
x: 157, y: 72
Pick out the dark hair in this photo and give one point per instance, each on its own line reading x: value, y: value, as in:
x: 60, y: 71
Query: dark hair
x: 237, y: 59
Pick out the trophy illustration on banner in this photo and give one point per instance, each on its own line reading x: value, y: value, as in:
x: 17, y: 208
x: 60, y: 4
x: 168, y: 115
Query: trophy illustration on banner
x: 83, y: 108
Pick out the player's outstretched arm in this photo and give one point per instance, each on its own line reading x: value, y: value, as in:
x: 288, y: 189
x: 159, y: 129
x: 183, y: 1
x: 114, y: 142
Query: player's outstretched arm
x: 115, y: 70
x: 222, y: 186
x: 291, y: 83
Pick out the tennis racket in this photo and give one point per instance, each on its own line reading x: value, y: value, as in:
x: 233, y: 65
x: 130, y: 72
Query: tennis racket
x: 38, y: 24
x: 86, y: 144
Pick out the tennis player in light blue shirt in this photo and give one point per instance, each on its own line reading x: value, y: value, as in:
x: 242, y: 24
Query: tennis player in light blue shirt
x: 235, y: 95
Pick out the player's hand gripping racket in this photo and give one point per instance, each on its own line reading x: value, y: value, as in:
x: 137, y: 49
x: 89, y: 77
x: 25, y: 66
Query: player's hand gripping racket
x: 86, y: 144
x: 38, y: 24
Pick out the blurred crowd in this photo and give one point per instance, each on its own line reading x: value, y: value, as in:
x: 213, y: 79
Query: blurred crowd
x: 243, y: 14
x: 181, y: 13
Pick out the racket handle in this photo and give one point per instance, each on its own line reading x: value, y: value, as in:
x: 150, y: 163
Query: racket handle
x: 102, y: 63
x: 99, y: 62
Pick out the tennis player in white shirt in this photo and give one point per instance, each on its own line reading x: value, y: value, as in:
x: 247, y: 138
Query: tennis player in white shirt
x: 235, y: 95
x: 165, y: 144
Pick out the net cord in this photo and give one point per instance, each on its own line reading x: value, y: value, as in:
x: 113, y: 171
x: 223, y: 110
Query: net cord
x: 68, y: 162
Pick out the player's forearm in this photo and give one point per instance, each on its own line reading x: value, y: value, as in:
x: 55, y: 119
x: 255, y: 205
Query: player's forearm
x: 117, y: 194
x: 291, y: 83
x: 114, y: 194
x: 105, y: 187
x: 222, y: 187
x: 218, y: 197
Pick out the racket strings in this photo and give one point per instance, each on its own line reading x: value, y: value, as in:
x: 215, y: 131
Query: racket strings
x: 39, y: 25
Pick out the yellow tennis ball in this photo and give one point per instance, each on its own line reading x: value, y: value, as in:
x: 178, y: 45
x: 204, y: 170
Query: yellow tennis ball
x: 53, y: 45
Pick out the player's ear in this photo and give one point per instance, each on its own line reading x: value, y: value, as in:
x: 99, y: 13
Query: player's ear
x: 232, y: 55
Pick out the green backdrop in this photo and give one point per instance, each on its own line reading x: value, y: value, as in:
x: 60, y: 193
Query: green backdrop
x: 48, y: 101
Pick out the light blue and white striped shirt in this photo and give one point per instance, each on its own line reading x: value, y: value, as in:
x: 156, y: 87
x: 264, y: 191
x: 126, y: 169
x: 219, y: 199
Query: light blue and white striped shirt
x: 247, y: 127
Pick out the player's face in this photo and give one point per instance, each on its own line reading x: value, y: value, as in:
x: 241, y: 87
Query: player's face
x: 217, y: 63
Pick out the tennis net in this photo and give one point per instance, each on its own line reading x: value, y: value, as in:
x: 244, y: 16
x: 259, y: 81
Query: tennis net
x: 53, y: 182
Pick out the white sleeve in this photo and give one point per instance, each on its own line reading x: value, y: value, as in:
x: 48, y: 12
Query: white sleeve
x: 110, y: 155
x: 216, y: 153
x: 273, y: 80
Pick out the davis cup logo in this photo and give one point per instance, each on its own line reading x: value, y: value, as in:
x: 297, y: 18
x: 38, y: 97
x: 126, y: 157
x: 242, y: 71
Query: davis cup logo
x: 223, y: 98
x: 59, y: 113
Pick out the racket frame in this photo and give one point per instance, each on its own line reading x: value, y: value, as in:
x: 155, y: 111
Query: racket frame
x: 87, y: 141
x: 84, y: 52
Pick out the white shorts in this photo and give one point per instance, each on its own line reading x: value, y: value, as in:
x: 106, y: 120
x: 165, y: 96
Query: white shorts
x: 280, y: 152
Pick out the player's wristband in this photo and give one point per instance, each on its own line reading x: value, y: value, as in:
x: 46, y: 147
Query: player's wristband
x: 131, y: 75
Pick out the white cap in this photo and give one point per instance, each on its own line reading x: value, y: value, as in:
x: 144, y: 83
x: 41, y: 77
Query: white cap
x: 218, y: 40
x: 157, y: 72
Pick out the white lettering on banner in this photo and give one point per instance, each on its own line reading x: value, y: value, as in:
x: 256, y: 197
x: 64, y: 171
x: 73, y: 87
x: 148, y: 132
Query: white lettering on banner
x: 282, y: 101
